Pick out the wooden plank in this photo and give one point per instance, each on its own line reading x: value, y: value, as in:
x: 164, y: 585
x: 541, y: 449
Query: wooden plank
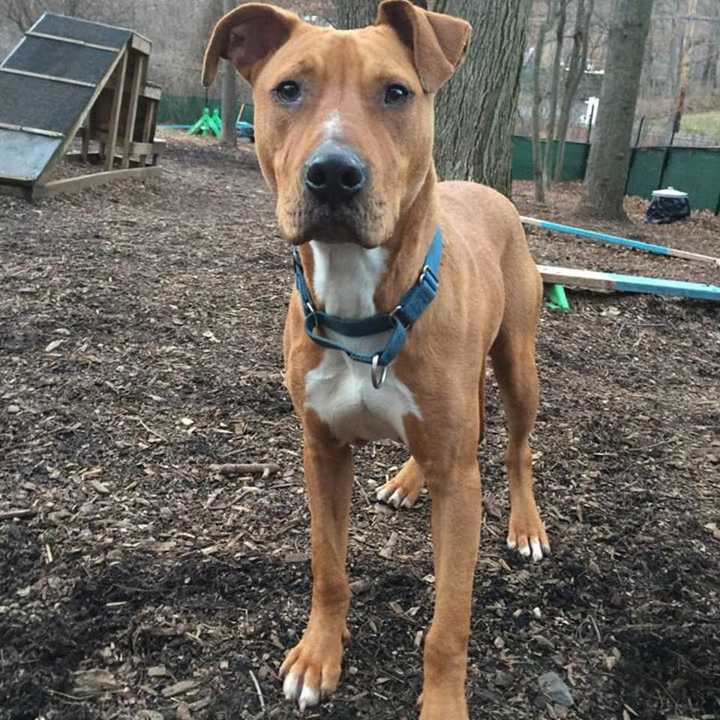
x: 585, y: 279
x: 141, y: 44
x: 86, y: 133
x: 617, y: 240
x: 612, y: 282
x: 83, y: 182
x: 52, y: 78
x: 73, y: 41
x: 153, y: 92
x: 136, y: 148
x: 149, y: 129
x: 85, y: 30
x: 130, y: 118
x: 115, y: 111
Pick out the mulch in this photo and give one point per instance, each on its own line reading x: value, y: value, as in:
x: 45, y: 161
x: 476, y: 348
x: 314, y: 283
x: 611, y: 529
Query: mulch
x: 140, y: 349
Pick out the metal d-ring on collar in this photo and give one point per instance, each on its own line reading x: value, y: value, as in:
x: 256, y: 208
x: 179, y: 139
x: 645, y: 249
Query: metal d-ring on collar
x: 378, y: 372
x: 411, y: 306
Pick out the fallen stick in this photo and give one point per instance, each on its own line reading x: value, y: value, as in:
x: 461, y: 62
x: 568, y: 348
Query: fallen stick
x: 258, y: 690
x: 231, y: 469
x: 617, y: 240
x: 10, y: 514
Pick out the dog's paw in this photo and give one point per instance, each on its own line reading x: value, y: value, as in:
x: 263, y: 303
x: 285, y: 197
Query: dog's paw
x: 526, y: 533
x: 403, y: 490
x: 311, y: 670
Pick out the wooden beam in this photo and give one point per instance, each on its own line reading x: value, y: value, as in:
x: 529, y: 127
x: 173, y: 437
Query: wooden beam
x: 52, y: 78
x: 617, y: 240
x: 585, y: 279
x: 136, y: 148
x: 153, y: 92
x: 140, y: 43
x: 115, y: 111
x: 73, y: 41
x: 83, y: 182
x: 86, y: 133
x: 612, y: 282
x: 130, y: 118
x: 148, y: 133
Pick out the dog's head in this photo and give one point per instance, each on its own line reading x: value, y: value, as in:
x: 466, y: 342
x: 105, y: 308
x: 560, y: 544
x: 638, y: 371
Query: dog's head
x: 343, y: 119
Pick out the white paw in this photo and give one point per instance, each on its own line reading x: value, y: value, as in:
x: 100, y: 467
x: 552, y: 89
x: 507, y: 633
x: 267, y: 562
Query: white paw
x: 534, y: 549
x: 397, y: 497
x: 295, y: 690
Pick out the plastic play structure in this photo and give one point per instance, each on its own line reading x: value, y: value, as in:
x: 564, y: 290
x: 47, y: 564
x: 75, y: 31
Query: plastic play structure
x: 208, y: 124
x: 71, y: 78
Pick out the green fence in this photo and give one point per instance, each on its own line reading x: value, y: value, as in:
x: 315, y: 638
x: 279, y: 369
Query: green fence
x: 573, y: 167
x: 695, y: 171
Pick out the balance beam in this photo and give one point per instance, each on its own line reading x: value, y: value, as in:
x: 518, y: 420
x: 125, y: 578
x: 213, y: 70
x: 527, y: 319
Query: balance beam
x: 611, y: 282
x: 617, y: 240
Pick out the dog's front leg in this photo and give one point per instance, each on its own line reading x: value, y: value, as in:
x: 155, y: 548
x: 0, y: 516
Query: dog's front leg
x: 312, y: 667
x: 456, y: 519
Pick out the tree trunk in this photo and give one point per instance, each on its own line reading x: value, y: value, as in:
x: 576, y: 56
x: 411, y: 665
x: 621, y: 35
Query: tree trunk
x: 554, y: 91
x: 229, y: 95
x: 578, y: 62
x: 688, y: 34
x: 604, y: 188
x: 475, y: 111
x: 537, y: 154
x: 353, y: 14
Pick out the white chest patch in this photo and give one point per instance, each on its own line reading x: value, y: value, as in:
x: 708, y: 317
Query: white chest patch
x: 339, y: 389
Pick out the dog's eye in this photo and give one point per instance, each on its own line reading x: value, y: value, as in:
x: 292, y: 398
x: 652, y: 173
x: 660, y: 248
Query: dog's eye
x: 396, y: 94
x: 288, y: 91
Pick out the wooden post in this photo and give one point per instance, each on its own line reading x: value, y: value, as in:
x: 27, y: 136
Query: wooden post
x: 115, y: 111
x: 86, y: 137
x: 229, y: 95
x: 148, y: 133
x: 634, y: 153
x: 587, y: 140
x: 138, y: 79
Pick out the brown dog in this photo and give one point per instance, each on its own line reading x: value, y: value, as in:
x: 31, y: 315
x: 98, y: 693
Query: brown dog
x: 344, y: 132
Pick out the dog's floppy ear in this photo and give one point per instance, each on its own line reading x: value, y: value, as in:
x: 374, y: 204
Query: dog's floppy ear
x: 438, y: 41
x: 246, y: 36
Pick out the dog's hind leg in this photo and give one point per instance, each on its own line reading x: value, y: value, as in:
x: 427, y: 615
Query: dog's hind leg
x: 513, y: 358
x: 403, y: 489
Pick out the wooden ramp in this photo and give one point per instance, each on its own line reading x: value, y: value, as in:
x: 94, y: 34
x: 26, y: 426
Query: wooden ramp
x: 68, y: 76
x: 611, y: 282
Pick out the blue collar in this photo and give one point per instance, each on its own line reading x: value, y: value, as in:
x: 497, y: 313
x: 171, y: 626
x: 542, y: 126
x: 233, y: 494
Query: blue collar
x: 412, y: 305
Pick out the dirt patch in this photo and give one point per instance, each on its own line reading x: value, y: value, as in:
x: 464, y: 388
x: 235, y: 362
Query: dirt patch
x: 140, y: 344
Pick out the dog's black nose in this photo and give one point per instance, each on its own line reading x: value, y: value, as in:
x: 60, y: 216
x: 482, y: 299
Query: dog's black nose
x: 335, y: 174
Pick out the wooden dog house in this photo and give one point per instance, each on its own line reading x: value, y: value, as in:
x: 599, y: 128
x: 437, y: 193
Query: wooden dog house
x: 71, y: 78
